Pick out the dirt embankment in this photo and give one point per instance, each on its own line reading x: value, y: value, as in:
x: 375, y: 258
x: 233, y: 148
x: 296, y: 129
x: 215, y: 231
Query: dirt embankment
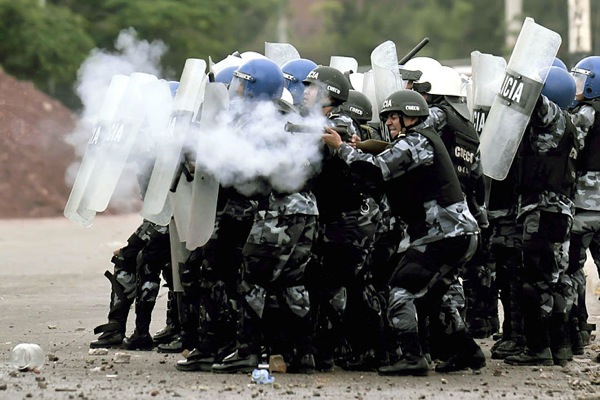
x: 33, y: 153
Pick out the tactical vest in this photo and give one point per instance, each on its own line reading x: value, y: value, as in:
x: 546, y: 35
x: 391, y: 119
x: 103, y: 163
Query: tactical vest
x: 340, y: 187
x: 589, y: 157
x: 554, y: 170
x: 461, y: 140
x: 409, y: 192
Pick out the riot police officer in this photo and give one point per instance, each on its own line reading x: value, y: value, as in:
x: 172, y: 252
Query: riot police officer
x: 417, y: 159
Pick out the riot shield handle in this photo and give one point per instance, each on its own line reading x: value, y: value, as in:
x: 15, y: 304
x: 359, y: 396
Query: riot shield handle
x: 414, y: 51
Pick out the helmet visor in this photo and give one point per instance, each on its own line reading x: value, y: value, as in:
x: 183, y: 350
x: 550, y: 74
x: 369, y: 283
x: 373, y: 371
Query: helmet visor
x: 580, y: 76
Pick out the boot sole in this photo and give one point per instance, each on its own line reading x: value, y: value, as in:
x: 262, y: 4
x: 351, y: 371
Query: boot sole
x: 403, y: 373
x: 241, y: 370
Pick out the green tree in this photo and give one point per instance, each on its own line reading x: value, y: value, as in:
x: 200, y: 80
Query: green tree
x: 190, y: 28
x: 45, y: 44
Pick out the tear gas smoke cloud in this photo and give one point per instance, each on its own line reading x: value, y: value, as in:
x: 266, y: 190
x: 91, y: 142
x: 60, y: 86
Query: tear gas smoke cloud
x: 247, y: 148
x: 251, y: 147
x: 94, y: 77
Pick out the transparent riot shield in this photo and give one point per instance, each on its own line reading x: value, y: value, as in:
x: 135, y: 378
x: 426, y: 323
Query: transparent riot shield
x: 179, y: 255
x: 368, y: 89
x: 205, y: 187
x: 94, y: 152
x: 187, y: 100
x: 343, y: 63
x: 386, y: 74
x: 281, y: 53
x: 487, y: 72
x: 119, y: 142
x: 159, y: 107
x: 181, y: 202
x: 513, y: 105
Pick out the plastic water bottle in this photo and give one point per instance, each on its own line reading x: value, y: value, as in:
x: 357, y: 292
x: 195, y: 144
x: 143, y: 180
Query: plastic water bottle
x: 261, y: 377
x: 27, y: 357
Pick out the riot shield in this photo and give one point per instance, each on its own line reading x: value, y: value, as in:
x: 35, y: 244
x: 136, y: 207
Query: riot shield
x: 487, y: 72
x: 368, y: 89
x: 513, y: 105
x: 119, y: 143
x: 187, y: 101
x: 228, y: 61
x: 179, y: 255
x: 94, y: 152
x: 205, y: 187
x: 159, y: 106
x: 343, y: 63
x: 281, y: 53
x: 181, y: 201
x: 386, y: 75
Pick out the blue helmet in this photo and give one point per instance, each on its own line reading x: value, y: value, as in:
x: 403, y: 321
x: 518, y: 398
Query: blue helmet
x: 225, y: 75
x: 559, y: 87
x: 559, y: 63
x: 294, y: 72
x: 257, y: 79
x: 173, y: 85
x: 586, y: 77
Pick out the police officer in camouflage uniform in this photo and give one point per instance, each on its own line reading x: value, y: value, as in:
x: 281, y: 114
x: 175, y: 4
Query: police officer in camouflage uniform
x: 348, y: 201
x: 506, y: 254
x: 389, y: 233
x: 273, y: 300
x: 585, y: 234
x: 136, y: 277
x: 210, y: 279
x: 424, y: 191
x: 546, y: 165
x: 450, y: 117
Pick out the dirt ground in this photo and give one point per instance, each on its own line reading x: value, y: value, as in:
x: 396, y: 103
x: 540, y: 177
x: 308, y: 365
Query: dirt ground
x: 52, y: 292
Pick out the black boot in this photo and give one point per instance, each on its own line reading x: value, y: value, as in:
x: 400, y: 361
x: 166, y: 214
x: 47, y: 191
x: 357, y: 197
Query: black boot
x: 172, y: 328
x: 196, y: 361
x: 175, y: 346
x: 108, y: 339
x: 236, y: 362
x: 138, y: 341
x: 468, y: 354
x: 412, y: 361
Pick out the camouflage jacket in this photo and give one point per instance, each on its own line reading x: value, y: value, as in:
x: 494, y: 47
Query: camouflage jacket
x: 546, y: 130
x: 587, y: 196
x: 404, y: 154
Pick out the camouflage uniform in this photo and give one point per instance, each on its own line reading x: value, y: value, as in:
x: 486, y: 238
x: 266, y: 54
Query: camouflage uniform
x: 274, y: 301
x: 210, y: 279
x: 153, y: 259
x: 131, y: 270
x: 546, y: 211
x: 460, y: 137
x: 585, y: 233
x: 346, y: 305
x: 442, y: 235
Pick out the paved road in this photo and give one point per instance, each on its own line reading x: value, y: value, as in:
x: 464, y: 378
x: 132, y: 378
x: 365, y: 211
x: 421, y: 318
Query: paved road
x: 52, y: 292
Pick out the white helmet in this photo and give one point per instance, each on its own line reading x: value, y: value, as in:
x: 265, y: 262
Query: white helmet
x: 421, y: 64
x: 444, y: 81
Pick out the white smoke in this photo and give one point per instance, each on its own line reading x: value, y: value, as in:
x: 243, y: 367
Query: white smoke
x: 251, y: 147
x: 94, y: 77
x: 247, y: 148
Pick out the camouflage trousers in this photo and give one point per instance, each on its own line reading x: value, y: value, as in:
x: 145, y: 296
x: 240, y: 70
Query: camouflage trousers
x: 506, y: 243
x: 153, y: 260
x: 341, y: 293
x: 546, y: 291
x: 478, y: 279
x: 210, y: 279
x: 421, y: 286
x: 274, y: 301
x: 124, y: 279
